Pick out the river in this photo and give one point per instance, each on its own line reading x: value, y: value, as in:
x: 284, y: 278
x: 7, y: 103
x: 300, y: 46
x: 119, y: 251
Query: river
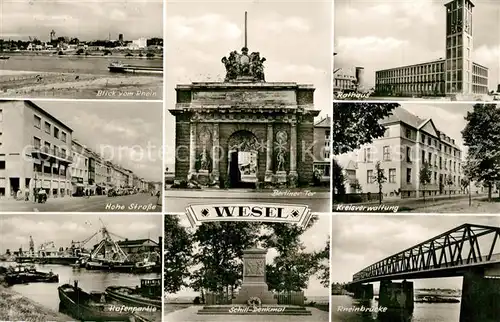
x: 94, y: 65
x: 423, y: 312
x: 93, y: 280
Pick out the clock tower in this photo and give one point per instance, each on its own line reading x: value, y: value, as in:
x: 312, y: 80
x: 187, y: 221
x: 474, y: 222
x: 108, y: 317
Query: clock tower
x: 459, y: 46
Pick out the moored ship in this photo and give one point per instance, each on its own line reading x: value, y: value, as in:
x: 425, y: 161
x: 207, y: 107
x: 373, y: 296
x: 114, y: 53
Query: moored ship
x: 117, y: 67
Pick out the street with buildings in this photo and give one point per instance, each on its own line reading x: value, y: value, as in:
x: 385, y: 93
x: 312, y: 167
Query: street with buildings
x: 40, y: 155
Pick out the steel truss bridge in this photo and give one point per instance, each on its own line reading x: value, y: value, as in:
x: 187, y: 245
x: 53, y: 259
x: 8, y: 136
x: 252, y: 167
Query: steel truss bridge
x: 450, y: 254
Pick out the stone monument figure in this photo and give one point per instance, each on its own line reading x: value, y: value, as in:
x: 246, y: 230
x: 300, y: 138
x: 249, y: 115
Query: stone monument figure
x: 204, y: 164
x: 257, y: 66
x: 244, y: 67
x: 280, y: 161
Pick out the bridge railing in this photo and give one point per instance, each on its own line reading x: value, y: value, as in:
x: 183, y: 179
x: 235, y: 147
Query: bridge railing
x: 463, y: 245
x: 383, y: 269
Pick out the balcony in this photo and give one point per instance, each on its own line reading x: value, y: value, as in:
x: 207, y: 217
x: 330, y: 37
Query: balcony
x: 50, y: 154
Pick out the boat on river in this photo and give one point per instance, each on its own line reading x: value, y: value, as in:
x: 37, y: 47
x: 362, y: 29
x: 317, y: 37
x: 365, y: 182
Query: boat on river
x: 90, y: 306
x: 28, y: 274
x: 147, y: 294
x: 436, y: 299
x: 117, y: 67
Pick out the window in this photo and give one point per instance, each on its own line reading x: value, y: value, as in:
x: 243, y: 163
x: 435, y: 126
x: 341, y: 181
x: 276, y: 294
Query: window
x: 392, y: 175
x: 435, y: 177
x: 408, y: 154
x: 37, y: 121
x: 1, y: 115
x: 369, y: 176
x: 63, y: 152
x: 56, y: 132
x: 408, y: 133
x: 387, y: 153
x: 37, y: 143
x: 440, y: 162
x: 430, y: 159
x: 63, y: 136
x: 429, y: 141
x: 423, y: 157
x: 423, y: 138
x: 368, y: 155
x: 408, y: 175
x: 435, y: 160
x: 47, y: 127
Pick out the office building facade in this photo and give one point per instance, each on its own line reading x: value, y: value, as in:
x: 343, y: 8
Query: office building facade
x: 455, y: 74
x: 408, y: 144
x: 35, y: 152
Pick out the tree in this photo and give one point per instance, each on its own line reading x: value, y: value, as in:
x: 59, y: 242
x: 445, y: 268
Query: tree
x: 324, y: 265
x: 177, y: 254
x: 380, y: 179
x: 425, y: 176
x: 338, y: 180
x: 293, y: 266
x: 221, y: 246
x: 481, y: 136
x: 355, y: 124
x: 356, y: 186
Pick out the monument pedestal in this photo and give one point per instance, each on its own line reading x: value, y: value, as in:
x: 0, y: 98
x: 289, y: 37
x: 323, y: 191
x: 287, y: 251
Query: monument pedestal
x: 280, y: 177
x: 293, y: 178
x: 203, y: 177
x: 254, y: 278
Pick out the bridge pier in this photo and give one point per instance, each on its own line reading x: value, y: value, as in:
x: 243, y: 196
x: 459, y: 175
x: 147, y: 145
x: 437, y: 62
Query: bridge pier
x: 397, y: 296
x: 480, y: 298
x: 363, y: 291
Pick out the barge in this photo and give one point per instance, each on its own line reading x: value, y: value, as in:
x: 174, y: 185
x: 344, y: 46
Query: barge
x: 134, y: 69
x: 148, y: 294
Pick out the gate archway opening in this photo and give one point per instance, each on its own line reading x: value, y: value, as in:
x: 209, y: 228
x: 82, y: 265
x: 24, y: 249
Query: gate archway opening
x: 243, y: 159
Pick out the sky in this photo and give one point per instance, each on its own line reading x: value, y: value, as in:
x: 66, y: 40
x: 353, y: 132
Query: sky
x: 86, y: 20
x: 15, y: 230
x: 294, y: 37
x: 447, y: 117
x: 359, y: 241
x: 121, y: 131
x: 314, y: 239
x: 380, y: 34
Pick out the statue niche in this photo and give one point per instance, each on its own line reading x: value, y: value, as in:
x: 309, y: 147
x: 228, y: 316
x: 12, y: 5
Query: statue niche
x: 281, y: 147
x: 244, y: 66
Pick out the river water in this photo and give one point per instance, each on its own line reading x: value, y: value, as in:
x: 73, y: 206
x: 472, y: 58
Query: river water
x: 93, y: 280
x: 75, y: 64
x: 423, y: 312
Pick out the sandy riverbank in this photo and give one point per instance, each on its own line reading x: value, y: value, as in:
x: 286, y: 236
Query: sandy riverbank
x: 15, y: 307
x: 82, y: 86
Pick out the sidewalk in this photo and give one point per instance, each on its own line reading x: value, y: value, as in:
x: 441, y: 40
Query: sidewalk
x: 245, y: 194
x: 10, y: 201
x: 190, y: 315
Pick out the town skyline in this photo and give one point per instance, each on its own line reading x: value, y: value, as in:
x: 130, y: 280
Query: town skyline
x: 134, y: 19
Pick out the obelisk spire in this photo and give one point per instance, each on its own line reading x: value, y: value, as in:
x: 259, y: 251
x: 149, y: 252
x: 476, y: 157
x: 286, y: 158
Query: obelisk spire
x: 246, y: 29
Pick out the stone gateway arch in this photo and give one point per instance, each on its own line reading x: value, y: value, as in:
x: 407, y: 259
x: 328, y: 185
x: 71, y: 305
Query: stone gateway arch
x: 244, y: 131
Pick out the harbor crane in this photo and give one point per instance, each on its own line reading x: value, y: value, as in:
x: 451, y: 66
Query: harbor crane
x: 118, y: 255
x: 43, y: 246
